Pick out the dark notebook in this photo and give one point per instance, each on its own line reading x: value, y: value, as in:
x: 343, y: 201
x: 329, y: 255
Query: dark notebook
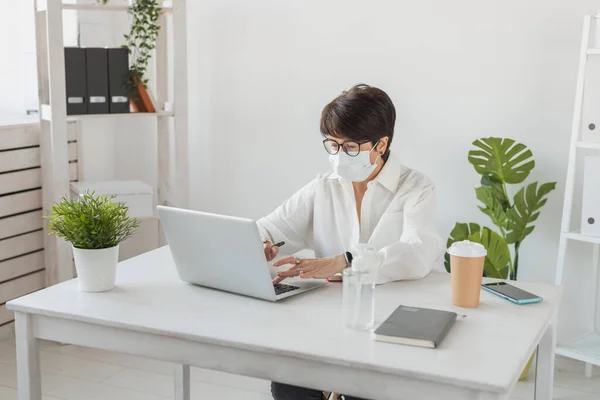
x: 118, y: 76
x: 75, y: 80
x: 97, y: 80
x: 413, y: 326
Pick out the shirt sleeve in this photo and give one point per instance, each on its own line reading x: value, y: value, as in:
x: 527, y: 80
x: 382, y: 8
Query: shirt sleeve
x: 292, y: 221
x: 419, y: 247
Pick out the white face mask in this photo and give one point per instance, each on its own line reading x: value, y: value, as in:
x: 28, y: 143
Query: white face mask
x: 355, y: 169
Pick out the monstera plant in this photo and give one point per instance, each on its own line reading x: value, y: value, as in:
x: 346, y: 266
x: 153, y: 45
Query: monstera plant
x: 502, y: 162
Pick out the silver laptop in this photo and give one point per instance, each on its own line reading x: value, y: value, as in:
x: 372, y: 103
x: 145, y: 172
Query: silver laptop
x: 224, y: 253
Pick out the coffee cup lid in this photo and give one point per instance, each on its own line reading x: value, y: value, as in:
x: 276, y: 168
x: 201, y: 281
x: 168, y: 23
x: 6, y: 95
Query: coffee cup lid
x: 467, y: 248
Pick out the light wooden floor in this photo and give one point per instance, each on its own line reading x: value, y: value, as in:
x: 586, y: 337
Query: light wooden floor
x: 76, y: 373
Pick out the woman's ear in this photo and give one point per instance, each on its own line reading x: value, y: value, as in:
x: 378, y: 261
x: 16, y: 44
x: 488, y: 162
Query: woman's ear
x: 383, y: 145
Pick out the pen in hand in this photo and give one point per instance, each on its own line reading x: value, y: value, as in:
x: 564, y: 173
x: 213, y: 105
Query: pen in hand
x: 278, y: 244
x: 272, y: 250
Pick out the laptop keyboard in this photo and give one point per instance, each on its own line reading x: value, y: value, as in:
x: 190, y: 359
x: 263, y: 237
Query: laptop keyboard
x: 281, y: 288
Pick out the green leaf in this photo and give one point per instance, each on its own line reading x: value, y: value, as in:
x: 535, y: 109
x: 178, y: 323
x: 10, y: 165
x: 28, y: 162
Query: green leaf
x: 501, y: 160
x: 497, y: 261
x: 528, y: 202
x: 460, y: 232
x: 498, y: 191
x: 493, y: 208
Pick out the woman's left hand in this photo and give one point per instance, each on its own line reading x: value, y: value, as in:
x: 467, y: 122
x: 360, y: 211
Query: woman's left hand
x: 318, y: 268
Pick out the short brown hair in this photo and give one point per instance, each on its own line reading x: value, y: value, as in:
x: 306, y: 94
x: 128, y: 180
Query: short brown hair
x: 362, y: 113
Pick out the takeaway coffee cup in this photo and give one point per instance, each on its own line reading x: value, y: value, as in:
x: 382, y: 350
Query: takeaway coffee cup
x: 466, y: 266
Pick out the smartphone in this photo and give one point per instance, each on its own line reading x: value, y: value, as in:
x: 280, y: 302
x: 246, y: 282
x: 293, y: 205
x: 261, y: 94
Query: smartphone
x: 511, y: 293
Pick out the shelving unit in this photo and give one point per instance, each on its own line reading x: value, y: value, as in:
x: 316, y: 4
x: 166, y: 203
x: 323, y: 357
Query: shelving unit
x: 172, y: 188
x: 588, y: 145
x: 586, y: 347
x: 582, y: 238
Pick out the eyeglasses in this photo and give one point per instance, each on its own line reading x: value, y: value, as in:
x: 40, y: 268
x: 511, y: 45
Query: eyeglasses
x: 350, y: 147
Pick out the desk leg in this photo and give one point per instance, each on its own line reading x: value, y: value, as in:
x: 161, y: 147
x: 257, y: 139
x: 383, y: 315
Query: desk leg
x: 182, y: 382
x: 544, y: 373
x: 28, y: 359
x: 589, y: 370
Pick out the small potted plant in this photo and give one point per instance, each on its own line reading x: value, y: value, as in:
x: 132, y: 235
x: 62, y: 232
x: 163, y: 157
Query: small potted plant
x: 95, y: 226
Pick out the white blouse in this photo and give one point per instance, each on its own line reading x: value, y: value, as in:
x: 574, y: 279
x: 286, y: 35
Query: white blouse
x: 397, y: 221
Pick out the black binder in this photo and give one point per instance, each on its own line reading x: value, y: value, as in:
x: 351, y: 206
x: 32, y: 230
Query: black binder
x: 97, y: 80
x: 118, y: 76
x: 75, y: 80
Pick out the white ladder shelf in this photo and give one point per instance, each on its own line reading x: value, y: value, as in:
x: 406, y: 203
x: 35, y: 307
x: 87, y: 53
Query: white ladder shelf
x: 171, y: 115
x: 586, y: 347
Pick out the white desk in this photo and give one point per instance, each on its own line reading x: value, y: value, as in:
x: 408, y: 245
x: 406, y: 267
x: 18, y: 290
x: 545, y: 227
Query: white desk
x: 299, y: 341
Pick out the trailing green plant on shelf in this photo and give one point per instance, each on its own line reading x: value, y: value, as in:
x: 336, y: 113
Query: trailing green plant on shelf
x: 141, y: 39
x: 92, y: 222
x: 500, y: 162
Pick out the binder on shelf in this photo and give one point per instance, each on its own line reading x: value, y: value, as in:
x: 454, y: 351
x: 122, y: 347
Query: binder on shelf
x: 118, y: 77
x: 97, y: 80
x: 590, y: 116
x: 75, y: 81
x: 590, y: 209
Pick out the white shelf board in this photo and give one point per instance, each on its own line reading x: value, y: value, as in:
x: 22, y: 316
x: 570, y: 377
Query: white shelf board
x: 586, y: 349
x: 589, y: 145
x: 120, y: 116
x: 102, y: 7
x: 581, y: 237
x: 593, y: 51
x: 125, y: 188
x: 46, y: 115
x: 97, y: 7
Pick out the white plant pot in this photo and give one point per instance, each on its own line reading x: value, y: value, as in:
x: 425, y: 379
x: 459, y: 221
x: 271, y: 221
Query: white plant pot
x: 96, y: 269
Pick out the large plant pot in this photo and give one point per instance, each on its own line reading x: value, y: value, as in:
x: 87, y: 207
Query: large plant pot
x: 96, y: 269
x: 140, y: 99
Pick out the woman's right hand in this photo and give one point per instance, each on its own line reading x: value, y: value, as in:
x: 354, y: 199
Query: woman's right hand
x: 270, y: 250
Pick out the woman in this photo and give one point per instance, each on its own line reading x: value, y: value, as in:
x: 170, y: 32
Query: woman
x: 369, y: 197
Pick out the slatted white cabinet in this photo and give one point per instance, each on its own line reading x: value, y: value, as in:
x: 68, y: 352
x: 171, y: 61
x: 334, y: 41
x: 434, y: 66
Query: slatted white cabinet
x: 22, y: 266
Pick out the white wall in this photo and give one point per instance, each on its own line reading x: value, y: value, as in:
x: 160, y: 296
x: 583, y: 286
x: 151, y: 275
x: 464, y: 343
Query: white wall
x: 17, y: 66
x: 18, y: 76
x: 260, y: 73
